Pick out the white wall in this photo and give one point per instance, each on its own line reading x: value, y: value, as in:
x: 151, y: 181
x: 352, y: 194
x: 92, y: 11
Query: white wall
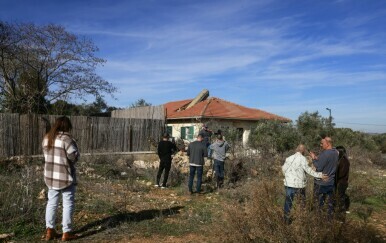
x: 214, y: 126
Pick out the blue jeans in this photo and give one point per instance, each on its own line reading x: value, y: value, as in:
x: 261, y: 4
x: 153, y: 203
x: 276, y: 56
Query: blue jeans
x: 219, y: 168
x: 320, y: 194
x: 192, y: 173
x: 290, y: 193
x: 68, y: 197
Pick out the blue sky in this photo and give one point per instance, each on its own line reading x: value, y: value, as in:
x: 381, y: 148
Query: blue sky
x: 285, y: 57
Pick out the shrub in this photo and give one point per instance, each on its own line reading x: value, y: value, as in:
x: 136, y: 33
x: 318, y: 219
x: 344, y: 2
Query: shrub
x: 20, y: 208
x: 254, y: 213
x: 271, y: 137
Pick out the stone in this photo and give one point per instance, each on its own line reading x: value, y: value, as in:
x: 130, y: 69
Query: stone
x: 42, y: 194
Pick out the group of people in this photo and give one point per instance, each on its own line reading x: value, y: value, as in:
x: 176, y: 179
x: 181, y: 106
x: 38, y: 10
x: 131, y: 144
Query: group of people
x: 197, y: 152
x: 330, y: 169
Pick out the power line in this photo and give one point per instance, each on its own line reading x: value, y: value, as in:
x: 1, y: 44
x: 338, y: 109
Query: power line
x: 363, y: 124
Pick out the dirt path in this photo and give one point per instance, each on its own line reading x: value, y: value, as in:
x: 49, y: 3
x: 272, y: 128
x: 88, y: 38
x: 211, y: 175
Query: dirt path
x: 144, y: 228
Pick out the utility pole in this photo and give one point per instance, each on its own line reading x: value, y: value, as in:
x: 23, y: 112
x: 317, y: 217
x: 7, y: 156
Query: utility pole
x: 330, y: 117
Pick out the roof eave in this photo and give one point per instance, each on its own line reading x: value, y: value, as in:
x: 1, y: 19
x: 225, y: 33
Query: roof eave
x: 227, y: 118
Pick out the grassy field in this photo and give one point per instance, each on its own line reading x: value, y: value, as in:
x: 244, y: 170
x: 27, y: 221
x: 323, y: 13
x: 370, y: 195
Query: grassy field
x: 120, y: 204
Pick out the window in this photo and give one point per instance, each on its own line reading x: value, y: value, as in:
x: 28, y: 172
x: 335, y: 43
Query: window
x: 187, y: 132
x: 169, y: 130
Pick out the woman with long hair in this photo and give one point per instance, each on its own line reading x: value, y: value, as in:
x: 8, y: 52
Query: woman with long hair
x: 60, y: 155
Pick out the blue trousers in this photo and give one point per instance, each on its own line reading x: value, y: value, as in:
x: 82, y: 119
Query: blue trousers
x: 219, y: 168
x: 290, y: 194
x: 68, y: 197
x: 321, y: 193
x: 192, y: 173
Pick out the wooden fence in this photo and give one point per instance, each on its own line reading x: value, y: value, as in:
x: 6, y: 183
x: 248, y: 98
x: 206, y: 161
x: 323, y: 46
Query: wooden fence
x: 23, y: 134
x: 145, y: 112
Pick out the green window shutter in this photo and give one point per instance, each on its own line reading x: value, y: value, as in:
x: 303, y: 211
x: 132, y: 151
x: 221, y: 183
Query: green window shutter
x: 191, y: 132
x: 169, y: 129
x: 183, y: 132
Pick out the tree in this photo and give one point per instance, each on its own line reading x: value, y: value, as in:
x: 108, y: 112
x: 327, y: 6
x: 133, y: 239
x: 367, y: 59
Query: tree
x: 140, y: 103
x: 380, y: 140
x: 41, y: 64
x: 99, y: 106
x: 270, y: 137
x: 312, y: 127
x: 62, y: 107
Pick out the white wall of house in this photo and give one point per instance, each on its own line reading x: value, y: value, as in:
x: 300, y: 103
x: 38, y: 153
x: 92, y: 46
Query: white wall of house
x: 246, y: 127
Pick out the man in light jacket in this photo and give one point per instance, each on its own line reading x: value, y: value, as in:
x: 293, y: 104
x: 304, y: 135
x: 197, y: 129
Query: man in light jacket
x: 294, y: 170
x: 219, y: 148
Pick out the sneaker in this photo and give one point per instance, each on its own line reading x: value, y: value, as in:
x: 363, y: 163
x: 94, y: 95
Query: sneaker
x: 156, y: 185
x: 50, y: 234
x: 69, y: 236
x: 163, y: 186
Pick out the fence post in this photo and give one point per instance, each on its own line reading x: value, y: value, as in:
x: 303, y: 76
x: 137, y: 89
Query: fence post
x: 131, y: 138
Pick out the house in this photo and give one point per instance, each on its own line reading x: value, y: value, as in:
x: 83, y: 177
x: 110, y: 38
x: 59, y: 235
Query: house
x: 184, y: 118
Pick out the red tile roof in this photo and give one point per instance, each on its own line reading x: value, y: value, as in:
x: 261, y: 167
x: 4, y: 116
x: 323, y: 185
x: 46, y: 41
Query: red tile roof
x: 217, y: 108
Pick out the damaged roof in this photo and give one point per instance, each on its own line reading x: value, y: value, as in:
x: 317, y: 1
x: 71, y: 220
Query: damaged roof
x: 216, y: 108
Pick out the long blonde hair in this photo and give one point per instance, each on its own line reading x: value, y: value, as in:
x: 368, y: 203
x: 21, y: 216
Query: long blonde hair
x: 62, y: 124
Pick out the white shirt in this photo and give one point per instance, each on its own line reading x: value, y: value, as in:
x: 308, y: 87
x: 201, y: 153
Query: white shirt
x: 294, y: 170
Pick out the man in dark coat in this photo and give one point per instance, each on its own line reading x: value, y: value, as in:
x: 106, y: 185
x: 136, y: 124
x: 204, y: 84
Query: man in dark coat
x: 206, y: 135
x: 165, y: 151
x: 341, y: 184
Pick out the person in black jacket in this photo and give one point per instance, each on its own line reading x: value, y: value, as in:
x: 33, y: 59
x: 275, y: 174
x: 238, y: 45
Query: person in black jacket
x: 341, y: 182
x: 206, y: 134
x: 165, y: 151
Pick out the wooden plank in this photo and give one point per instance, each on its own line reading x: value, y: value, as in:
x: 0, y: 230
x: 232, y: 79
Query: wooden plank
x: 23, y: 134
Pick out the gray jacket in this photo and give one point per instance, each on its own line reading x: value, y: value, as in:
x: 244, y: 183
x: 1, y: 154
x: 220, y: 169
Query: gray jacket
x: 327, y: 163
x: 219, y: 150
x: 196, y: 152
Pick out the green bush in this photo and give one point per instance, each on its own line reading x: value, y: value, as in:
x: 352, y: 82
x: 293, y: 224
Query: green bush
x: 271, y: 137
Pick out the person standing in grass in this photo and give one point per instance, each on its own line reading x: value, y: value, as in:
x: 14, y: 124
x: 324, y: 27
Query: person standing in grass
x: 196, y: 152
x: 60, y: 154
x: 165, y: 151
x: 219, y: 149
x: 326, y: 162
x: 294, y: 170
x: 343, y: 170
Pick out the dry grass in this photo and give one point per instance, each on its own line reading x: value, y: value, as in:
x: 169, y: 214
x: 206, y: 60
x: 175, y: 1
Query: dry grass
x: 116, y: 203
x: 259, y: 218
